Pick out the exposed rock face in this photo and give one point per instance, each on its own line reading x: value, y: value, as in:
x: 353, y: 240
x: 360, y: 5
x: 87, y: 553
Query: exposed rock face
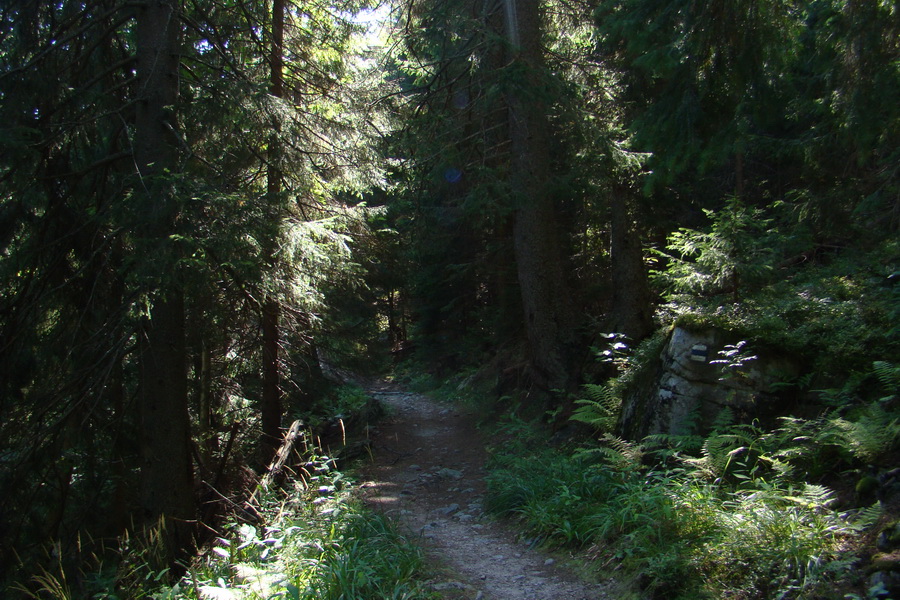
x: 689, y: 390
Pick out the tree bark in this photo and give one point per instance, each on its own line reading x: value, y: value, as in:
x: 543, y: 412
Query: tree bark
x: 167, y: 482
x: 545, y: 300
x: 631, y: 311
x: 271, y: 311
x: 205, y: 404
x: 167, y: 490
x: 271, y: 399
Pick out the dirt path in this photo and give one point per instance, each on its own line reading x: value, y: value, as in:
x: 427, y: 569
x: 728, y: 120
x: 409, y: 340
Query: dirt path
x: 428, y: 472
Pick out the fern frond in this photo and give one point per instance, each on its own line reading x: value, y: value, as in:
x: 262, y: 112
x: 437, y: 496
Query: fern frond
x: 813, y: 496
x: 685, y: 443
x: 700, y: 467
x: 724, y: 419
x: 872, y: 436
x: 622, y: 454
x: 602, y: 394
x: 599, y: 409
x: 866, y: 517
x: 888, y: 376
x: 782, y: 468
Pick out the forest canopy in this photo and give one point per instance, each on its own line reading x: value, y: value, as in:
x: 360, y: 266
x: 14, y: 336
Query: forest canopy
x: 210, y: 207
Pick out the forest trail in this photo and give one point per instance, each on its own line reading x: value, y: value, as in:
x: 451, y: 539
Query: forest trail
x: 428, y: 473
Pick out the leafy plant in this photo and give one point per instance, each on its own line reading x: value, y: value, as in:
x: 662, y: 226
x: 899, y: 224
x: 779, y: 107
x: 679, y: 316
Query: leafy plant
x: 733, y: 359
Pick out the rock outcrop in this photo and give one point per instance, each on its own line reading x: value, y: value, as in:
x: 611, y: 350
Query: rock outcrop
x: 690, y: 387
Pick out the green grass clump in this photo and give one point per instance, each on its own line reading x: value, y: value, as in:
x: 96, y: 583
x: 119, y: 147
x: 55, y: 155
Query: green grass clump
x: 318, y: 543
x: 367, y: 559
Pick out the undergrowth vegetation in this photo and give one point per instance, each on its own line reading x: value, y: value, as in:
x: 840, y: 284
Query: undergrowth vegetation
x: 673, y: 530
x: 313, y: 541
x: 736, y: 513
x: 837, y: 306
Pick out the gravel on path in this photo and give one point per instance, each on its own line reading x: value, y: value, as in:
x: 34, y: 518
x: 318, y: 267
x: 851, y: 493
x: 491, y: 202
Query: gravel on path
x: 427, y: 472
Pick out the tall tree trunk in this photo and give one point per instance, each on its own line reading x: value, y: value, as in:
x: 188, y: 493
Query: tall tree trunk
x: 167, y: 482
x: 545, y: 300
x: 271, y: 398
x: 631, y: 311
x: 118, y: 519
x: 167, y: 489
x: 271, y: 311
x: 205, y: 405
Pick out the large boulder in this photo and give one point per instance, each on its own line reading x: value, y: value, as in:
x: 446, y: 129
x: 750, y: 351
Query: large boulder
x: 688, y: 388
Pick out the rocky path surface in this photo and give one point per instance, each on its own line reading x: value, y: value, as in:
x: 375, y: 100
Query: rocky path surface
x: 428, y: 473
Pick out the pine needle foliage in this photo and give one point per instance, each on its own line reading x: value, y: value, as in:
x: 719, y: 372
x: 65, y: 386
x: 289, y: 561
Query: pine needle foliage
x: 722, y: 260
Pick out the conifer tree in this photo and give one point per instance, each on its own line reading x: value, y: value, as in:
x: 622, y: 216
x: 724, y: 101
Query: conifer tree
x: 494, y: 185
x: 134, y: 215
x: 167, y: 489
x: 271, y: 309
x: 549, y: 320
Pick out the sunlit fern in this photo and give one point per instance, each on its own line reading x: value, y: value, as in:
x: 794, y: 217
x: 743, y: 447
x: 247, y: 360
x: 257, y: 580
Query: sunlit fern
x: 812, y: 496
x: 873, y: 435
x: 619, y: 454
x: 599, y: 408
x: 864, y: 518
x: 888, y: 375
x: 622, y: 454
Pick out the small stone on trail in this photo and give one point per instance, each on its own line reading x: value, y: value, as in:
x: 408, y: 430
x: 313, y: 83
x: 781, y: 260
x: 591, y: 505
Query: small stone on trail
x: 448, y: 585
x: 448, y: 510
x: 449, y: 474
x: 549, y: 562
x: 429, y: 527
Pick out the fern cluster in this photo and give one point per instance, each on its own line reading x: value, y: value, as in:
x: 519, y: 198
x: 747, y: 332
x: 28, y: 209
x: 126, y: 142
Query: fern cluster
x: 872, y: 435
x: 680, y: 533
x: 737, y: 512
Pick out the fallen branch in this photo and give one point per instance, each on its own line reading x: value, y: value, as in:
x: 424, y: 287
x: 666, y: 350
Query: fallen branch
x: 275, y: 472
